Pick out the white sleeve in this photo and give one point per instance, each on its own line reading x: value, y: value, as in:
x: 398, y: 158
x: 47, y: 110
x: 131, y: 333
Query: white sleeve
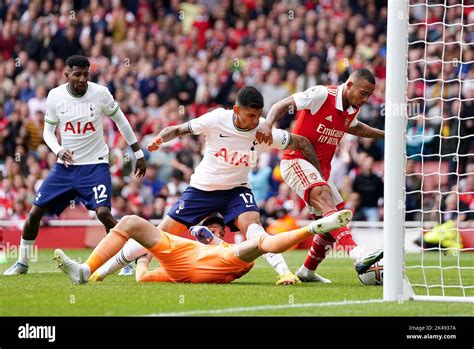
x: 281, y: 138
x: 124, y: 127
x: 51, y: 117
x: 111, y: 108
x: 109, y: 105
x: 50, y: 138
x: 204, y: 123
x: 312, y: 99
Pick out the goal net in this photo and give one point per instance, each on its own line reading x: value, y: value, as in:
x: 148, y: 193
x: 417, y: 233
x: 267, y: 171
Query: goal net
x: 439, y: 156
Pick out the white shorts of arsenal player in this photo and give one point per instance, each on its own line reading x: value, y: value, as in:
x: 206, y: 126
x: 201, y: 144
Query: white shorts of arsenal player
x: 301, y: 176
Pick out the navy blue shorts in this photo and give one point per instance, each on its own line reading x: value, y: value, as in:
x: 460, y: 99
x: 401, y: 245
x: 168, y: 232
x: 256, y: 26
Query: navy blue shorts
x: 91, y: 184
x: 195, y: 205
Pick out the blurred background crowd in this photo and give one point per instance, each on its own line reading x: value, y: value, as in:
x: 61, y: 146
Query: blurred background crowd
x: 167, y: 62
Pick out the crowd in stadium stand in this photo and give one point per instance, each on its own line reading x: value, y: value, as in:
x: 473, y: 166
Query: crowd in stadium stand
x: 166, y: 64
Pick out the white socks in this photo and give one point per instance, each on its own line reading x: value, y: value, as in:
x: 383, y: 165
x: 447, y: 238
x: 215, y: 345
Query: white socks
x: 130, y: 251
x: 278, y: 263
x: 276, y: 260
x: 255, y: 231
x: 357, y: 253
x: 26, y: 251
x: 305, y: 271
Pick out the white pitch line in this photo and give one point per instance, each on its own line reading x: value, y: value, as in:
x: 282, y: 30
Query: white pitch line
x: 43, y: 272
x: 267, y: 307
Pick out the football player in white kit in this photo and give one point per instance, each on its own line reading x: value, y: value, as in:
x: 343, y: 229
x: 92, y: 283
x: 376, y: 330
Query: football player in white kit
x: 82, y: 171
x: 220, y: 182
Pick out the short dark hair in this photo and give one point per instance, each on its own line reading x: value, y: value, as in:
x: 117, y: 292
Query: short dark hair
x: 77, y: 61
x: 366, y: 74
x: 214, y: 220
x: 249, y: 97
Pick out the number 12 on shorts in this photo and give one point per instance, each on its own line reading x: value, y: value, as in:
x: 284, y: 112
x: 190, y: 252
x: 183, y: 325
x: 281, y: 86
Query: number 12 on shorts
x: 249, y: 201
x: 100, y: 193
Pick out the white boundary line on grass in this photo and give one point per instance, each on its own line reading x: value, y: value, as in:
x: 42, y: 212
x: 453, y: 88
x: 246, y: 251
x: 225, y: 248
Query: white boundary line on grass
x: 266, y: 307
x: 43, y: 271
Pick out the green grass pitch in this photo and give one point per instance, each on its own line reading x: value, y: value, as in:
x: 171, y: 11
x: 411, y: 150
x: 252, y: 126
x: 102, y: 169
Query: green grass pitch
x: 47, y: 292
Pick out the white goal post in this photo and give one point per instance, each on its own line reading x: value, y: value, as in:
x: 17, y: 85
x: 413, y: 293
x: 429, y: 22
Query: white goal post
x: 395, y: 121
x: 446, y: 18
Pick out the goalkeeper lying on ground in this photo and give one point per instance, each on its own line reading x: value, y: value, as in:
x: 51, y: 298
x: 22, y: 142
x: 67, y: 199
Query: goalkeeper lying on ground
x: 184, y: 260
x: 128, y: 253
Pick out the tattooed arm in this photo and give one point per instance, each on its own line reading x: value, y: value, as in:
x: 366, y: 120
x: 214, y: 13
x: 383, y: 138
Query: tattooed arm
x: 364, y: 130
x: 303, y: 144
x: 167, y: 134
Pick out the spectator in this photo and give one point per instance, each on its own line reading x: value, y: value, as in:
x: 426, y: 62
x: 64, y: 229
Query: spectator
x: 164, y: 90
x: 272, y: 91
x: 454, y: 209
x: 466, y: 187
x: 419, y: 137
x: 312, y: 76
x: 151, y: 181
x: 148, y: 83
x: 159, y: 205
x: 153, y: 110
x: 260, y: 180
x: 7, y: 41
x: 19, y: 210
x: 34, y: 130
x: 184, y: 86
x: 66, y: 43
x: 176, y: 184
x: 370, y: 146
x: 369, y: 186
x: 119, y: 207
x: 38, y: 103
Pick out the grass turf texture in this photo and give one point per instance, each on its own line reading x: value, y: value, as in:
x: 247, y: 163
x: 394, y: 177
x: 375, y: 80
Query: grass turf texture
x: 48, y: 292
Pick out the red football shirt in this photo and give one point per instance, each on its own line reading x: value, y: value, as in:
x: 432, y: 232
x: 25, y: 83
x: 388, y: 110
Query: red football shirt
x: 322, y: 119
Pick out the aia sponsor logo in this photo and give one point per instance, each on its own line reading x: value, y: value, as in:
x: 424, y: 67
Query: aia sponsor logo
x: 78, y: 127
x: 237, y: 158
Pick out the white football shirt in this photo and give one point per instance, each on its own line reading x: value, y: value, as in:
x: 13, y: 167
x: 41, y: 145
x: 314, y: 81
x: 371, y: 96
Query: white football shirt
x: 230, y: 151
x: 80, y: 121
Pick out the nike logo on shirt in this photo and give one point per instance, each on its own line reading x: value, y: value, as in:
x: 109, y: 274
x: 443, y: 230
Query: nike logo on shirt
x: 222, y: 136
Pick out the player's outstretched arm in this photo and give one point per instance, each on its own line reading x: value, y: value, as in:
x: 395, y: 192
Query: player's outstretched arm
x: 112, y: 109
x: 167, y: 134
x: 140, y: 166
x: 364, y: 130
x: 127, y: 132
x: 277, y: 111
x: 303, y: 144
x: 143, y: 274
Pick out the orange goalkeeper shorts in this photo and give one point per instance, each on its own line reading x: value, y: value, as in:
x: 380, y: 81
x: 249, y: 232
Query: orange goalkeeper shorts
x: 185, y: 260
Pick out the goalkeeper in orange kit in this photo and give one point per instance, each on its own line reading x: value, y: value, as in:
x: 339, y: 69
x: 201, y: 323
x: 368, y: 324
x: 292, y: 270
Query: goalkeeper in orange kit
x: 184, y: 260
